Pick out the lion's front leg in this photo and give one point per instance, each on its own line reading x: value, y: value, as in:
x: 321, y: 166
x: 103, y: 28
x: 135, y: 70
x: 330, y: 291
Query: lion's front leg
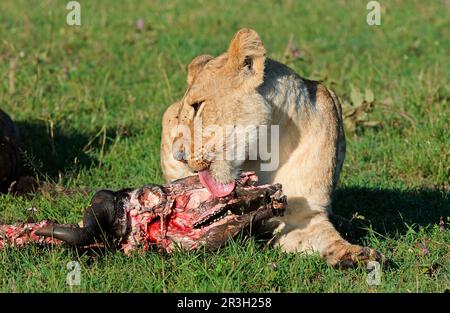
x: 308, y: 229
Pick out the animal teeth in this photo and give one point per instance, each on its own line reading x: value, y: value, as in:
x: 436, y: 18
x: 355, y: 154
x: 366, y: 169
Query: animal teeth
x: 212, y: 218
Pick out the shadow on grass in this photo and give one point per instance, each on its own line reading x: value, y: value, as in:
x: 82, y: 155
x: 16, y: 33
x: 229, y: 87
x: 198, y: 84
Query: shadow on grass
x: 64, y: 151
x: 387, y: 210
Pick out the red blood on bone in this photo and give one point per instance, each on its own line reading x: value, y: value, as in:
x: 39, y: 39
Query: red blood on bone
x: 154, y: 232
x: 176, y: 223
x: 181, y: 201
x: 180, y: 222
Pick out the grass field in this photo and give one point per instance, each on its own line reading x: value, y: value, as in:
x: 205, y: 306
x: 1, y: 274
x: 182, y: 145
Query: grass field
x: 88, y: 101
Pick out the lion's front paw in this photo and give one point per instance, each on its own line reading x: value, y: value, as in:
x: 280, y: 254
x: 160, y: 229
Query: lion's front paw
x: 350, y: 256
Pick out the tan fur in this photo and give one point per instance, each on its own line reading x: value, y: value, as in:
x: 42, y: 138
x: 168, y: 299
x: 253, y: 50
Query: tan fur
x: 243, y: 87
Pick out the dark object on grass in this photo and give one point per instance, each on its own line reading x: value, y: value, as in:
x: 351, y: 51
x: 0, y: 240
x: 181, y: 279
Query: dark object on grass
x: 180, y: 214
x: 9, y: 153
x: 11, y: 165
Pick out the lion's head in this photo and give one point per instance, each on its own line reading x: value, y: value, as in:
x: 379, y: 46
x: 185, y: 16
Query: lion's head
x: 220, y: 102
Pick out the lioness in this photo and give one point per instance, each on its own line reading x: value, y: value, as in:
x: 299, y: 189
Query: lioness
x: 243, y: 87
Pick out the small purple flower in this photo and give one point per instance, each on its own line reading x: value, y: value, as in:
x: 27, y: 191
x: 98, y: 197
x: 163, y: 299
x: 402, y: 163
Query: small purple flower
x: 140, y: 24
x: 441, y: 224
x: 425, y: 248
x: 294, y: 51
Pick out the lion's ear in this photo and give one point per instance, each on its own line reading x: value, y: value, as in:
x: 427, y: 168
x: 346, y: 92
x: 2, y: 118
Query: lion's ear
x: 196, y: 65
x: 247, y: 54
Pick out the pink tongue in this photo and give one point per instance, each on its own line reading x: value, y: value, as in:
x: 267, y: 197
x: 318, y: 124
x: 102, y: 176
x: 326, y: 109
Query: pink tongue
x: 218, y: 190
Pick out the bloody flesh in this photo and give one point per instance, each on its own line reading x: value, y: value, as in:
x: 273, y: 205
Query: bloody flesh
x: 20, y: 234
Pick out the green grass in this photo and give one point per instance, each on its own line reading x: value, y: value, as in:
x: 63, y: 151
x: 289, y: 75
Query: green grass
x: 88, y: 101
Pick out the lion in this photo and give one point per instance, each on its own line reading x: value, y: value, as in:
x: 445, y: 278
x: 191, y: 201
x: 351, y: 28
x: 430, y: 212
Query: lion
x: 242, y: 87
